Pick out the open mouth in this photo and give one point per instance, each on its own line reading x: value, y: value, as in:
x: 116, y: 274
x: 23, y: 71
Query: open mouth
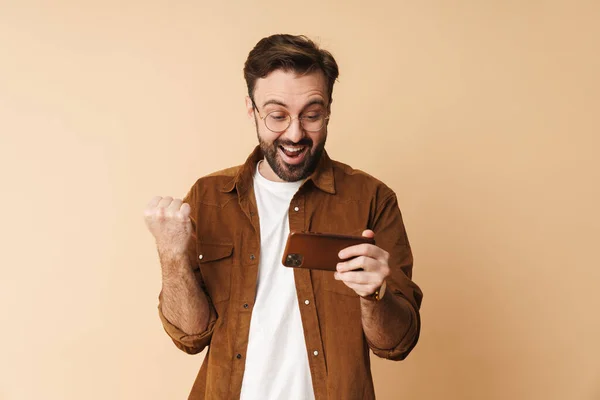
x: 293, y: 154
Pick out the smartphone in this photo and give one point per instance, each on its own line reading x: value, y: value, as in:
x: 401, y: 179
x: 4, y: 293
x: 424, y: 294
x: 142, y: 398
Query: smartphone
x: 311, y: 250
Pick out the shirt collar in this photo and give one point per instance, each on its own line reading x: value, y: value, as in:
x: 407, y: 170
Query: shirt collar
x: 322, y: 177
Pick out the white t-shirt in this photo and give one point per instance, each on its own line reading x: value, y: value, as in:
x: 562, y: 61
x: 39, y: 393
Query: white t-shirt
x: 276, y: 360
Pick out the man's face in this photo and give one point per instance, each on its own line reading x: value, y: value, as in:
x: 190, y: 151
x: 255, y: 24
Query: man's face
x: 293, y: 154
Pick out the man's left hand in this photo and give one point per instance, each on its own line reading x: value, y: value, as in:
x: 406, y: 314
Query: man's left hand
x: 372, y: 259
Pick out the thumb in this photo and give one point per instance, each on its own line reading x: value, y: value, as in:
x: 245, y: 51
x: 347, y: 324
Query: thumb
x: 368, y: 233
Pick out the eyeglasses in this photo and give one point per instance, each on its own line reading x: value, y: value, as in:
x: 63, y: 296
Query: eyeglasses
x: 279, y: 121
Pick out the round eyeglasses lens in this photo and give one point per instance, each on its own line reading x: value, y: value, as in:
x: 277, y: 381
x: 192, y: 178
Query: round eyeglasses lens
x: 313, y: 121
x: 278, y: 121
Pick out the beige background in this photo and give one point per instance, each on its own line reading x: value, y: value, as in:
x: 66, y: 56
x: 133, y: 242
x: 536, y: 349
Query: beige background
x: 482, y: 115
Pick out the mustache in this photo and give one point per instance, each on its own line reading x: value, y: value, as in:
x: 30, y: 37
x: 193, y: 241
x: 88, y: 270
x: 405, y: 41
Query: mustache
x: 303, y: 142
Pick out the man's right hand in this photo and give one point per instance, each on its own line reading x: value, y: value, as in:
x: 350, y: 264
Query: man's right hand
x: 169, y: 222
x: 183, y: 302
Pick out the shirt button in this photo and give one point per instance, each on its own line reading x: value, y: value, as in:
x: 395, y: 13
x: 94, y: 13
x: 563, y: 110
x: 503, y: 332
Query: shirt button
x: 316, y: 353
x: 296, y: 209
x: 306, y: 302
x: 238, y: 356
x: 201, y: 256
x: 252, y: 256
x: 245, y: 305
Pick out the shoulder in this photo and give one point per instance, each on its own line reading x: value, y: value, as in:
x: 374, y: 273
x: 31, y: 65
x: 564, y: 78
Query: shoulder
x: 213, y: 184
x: 227, y: 173
x: 349, y: 180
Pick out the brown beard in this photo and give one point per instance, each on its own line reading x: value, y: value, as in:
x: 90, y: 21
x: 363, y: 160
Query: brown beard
x: 292, y: 173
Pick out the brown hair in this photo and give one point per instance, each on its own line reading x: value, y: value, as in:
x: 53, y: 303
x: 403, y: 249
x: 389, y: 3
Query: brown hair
x: 289, y: 53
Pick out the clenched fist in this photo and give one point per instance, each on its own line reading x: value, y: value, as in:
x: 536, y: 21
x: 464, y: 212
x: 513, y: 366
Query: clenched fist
x: 169, y: 222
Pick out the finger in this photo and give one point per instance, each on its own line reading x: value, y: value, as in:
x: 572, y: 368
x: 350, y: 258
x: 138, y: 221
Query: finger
x: 358, y: 277
x: 362, y: 290
x: 154, y: 202
x: 175, y: 206
x: 165, y: 201
x: 364, y: 249
x: 185, y: 210
x: 366, y: 263
x: 368, y: 233
x: 149, y: 210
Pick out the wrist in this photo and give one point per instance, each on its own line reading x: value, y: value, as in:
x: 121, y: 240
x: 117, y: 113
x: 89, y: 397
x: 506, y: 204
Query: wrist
x: 378, y: 294
x: 172, y: 260
x: 169, y: 251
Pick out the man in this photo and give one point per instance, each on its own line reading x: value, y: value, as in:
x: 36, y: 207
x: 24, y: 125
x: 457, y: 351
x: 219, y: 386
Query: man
x: 275, y: 332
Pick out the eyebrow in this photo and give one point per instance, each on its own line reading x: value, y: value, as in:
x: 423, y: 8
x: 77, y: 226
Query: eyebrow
x: 281, y: 103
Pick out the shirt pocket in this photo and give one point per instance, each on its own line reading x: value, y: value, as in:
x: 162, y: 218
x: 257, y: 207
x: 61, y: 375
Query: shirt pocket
x: 215, y: 261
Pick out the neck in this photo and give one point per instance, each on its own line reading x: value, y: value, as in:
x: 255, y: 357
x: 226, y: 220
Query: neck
x: 267, y: 172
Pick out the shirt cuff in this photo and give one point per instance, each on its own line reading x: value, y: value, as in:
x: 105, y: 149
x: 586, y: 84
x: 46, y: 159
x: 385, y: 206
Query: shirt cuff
x: 409, y: 339
x: 191, y: 344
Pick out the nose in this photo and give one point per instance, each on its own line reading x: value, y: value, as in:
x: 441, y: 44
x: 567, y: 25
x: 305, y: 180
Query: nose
x: 295, y: 132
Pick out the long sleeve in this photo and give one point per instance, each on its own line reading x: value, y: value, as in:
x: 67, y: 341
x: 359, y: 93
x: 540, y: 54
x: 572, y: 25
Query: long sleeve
x: 191, y: 344
x: 390, y: 235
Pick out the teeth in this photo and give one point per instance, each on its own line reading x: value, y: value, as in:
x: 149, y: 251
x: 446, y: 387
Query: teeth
x: 293, y: 149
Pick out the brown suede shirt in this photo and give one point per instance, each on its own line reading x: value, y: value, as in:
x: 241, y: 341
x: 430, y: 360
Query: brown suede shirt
x: 224, y: 253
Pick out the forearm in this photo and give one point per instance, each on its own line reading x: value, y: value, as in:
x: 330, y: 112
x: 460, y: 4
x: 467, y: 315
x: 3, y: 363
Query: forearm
x: 183, y: 302
x: 389, y: 322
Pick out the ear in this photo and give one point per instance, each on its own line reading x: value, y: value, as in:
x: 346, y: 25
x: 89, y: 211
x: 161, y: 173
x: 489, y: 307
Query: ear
x: 249, y: 108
